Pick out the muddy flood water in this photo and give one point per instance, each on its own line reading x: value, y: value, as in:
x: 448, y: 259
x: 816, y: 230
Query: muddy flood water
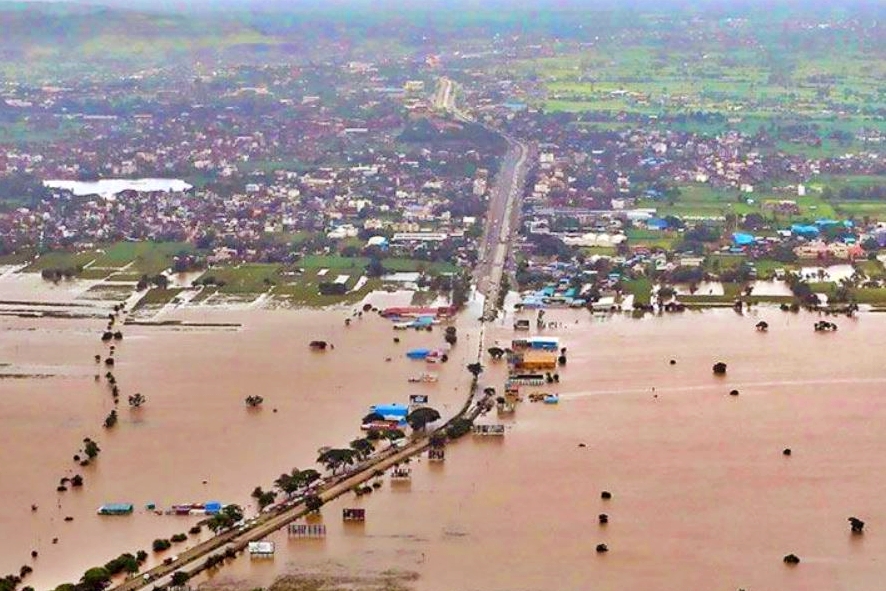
x: 702, y: 495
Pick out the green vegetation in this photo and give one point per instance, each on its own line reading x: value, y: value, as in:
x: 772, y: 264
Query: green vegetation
x: 61, y: 260
x: 226, y: 518
x: 149, y: 258
x: 390, y: 264
x: 640, y: 288
x: 158, y: 296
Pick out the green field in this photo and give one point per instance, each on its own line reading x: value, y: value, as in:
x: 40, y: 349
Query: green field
x: 652, y: 238
x: 247, y: 278
x: 635, y: 76
x: 157, y: 297
x: 702, y: 201
x: 61, y: 260
x: 392, y: 264
x: 287, y: 284
x: 640, y: 288
x: 146, y: 257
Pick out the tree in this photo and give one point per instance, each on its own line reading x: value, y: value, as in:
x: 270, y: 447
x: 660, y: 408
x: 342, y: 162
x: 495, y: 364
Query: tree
x: 372, y: 417
x: 254, y: 401
x: 476, y: 369
x: 136, y: 400
x: 333, y: 459
x: 421, y: 417
x: 374, y: 268
x: 350, y: 251
x: 226, y: 518
x: 363, y: 447
x: 313, y: 502
x: 495, y: 352
x: 458, y: 427
x: 263, y: 497
x: 451, y: 335
x: 95, y: 579
x: 111, y: 419
x: 179, y: 578
x: 289, y: 483
x: 309, y: 476
x: 394, y: 434
x: 91, y: 448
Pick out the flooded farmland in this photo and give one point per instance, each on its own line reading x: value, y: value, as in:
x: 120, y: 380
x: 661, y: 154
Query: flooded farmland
x: 702, y: 495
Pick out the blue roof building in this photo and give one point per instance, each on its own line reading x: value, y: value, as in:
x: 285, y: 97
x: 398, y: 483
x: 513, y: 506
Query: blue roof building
x: 805, y: 231
x: 391, y: 412
x: 740, y: 239
x: 656, y: 224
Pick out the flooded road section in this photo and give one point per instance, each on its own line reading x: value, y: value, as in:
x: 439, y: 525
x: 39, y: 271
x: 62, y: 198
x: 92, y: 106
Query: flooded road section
x: 702, y: 495
x: 194, y: 427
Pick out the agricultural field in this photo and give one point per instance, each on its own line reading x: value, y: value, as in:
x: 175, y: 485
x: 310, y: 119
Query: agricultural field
x: 646, y: 80
x: 145, y: 257
x: 703, y: 201
x: 392, y: 264
x: 61, y: 260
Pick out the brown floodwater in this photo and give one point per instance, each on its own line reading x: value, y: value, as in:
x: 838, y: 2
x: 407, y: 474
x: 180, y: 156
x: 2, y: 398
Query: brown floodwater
x: 702, y: 496
x: 194, y: 427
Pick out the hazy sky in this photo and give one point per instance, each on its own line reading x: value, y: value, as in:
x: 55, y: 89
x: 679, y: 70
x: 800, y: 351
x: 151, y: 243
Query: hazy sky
x: 513, y: 5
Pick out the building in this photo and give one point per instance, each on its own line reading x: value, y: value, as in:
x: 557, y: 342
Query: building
x: 534, y: 360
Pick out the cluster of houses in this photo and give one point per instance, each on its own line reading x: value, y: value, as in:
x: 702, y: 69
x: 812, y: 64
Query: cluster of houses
x: 269, y: 155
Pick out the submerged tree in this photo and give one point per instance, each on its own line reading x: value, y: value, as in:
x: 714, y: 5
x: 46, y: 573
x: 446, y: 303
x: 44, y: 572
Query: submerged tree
x: 136, y: 400
x: 421, y: 417
x: 254, y: 401
x: 476, y: 369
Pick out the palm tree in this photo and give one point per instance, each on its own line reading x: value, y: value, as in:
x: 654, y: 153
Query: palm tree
x: 254, y: 401
x: 476, y: 369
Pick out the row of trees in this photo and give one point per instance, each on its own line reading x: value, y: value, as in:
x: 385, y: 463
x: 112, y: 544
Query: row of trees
x: 57, y: 274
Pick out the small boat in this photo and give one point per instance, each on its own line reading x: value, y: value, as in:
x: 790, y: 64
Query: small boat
x: 425, y: 378
x: 318, y: 345
x: 551, y: 399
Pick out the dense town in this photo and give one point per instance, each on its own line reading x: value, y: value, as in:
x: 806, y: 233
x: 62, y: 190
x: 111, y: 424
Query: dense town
x: 357, y: 158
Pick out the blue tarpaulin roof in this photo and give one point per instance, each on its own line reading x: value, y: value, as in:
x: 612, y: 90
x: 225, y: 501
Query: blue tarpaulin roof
x: 390, y: 410
x: 804, y: 230
x: 656, y: 223
x: 418, y: 353
x: 742, y: 239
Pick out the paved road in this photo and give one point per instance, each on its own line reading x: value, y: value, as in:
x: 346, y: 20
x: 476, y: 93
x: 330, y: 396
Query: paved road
x: 503, y: 216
